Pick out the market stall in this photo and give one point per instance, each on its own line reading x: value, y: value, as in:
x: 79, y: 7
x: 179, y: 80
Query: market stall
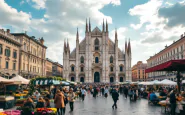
x: 6, y: 101
x: 167, y: 82
x: 44, y: 84
x: 20, y: 80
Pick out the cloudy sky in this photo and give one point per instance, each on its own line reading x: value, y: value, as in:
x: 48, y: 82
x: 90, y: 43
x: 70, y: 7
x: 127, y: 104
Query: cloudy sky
x: 150, y: 24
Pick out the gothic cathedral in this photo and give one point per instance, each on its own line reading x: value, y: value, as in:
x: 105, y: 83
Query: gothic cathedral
x: 97, y: 58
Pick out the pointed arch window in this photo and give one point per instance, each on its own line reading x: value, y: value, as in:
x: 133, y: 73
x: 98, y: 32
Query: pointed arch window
x: 72, y: 68
x: 121, y: 68
x: 96, y: 60
x: 96, y: 44
x: 111, y: 59
x: 111, y: 69
x: 82, y: 59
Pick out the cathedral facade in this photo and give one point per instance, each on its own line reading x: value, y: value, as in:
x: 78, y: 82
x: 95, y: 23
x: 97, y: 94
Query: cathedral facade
x: 97, y: 58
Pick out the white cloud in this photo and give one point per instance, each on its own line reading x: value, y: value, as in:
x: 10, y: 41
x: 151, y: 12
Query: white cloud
x: 61, y: 19
x: 156, y: 32
x: 10, y: 16
x: 147, y: 13
x: 168, y: 3
x: 39, y: 4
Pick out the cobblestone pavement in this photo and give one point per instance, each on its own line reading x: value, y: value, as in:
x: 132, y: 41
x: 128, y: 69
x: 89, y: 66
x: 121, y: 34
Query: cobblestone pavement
x: 103, y: 106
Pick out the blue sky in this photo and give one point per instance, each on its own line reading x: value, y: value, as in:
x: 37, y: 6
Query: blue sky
x: 150, y: 24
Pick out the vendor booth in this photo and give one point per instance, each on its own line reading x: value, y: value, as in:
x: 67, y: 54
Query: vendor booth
x: 20, y: 80
x: 6, y: 101
x: 172, y: 65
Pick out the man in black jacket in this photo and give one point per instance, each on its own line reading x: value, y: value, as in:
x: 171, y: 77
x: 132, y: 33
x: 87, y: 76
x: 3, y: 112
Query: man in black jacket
x: 115, y: 97
x: 173, y: 102
x: 125, y: 92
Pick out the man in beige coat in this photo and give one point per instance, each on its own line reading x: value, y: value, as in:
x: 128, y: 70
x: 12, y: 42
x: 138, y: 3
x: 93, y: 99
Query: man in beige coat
x: 59, y: 102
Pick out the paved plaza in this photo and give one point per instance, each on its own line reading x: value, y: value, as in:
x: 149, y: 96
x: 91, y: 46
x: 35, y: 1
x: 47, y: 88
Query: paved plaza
x: 103, y: 106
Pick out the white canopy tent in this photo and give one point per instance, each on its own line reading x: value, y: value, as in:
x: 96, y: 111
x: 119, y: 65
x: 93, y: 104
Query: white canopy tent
x: 183, y: 81
x: 20, y: 80
x: 4, y: 80
x: 145, y: 83
x: 156, y: 82
x: 168, y: 82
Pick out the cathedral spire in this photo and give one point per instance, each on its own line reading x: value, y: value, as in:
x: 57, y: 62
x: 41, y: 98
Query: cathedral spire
x: 65, y: 45
x: 116, y: 35
x: 89, y: 25
x: 68, y: 48
x: 125, y: 45
x: 106, y: 26
x: 103, y: 28
x: 77, y: 35
x: 86, y: 27
x: 129, y: 48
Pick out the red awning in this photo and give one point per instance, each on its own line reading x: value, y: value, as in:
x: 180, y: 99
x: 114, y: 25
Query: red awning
x: 172, y: 65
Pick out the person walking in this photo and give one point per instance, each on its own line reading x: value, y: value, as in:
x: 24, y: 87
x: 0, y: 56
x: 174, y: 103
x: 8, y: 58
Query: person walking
x: 106, y: 92
x: 95, y: 92
x: 65, y: 99
x: 83, y: 93
x: 173, y: 102
x: 115, y: 97
x: 125, y: 92
x: 54, y: 92
x: 102, y: 91
x: 71, y: 100
x: 59, y: 102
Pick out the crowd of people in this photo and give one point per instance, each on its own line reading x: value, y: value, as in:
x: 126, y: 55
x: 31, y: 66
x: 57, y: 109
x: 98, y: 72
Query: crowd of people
x: 64, y: 96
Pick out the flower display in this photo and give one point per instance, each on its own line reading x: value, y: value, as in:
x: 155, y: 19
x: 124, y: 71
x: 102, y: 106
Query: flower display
x: 1, y: 113
x: 19, y: 95
x: 26, y: 92
x: 48, y: 110
x: 13, y: 112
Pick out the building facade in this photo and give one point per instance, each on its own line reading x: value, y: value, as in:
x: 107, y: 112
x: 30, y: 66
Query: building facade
x: 138, y: 72
x: 97, y: 58
x: 174, y: 51
x: 53, y: 68
x: 32, y: 56
x: 9, y: 54
x: 49, y: 66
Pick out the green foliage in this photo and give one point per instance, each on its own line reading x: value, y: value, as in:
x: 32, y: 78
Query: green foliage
x: 47, y: 78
